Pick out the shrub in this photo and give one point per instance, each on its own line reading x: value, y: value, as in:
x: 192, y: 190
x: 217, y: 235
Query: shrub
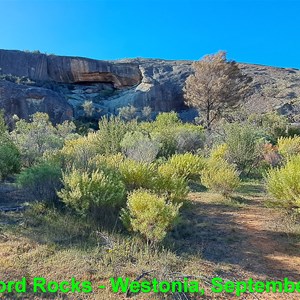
x: 10, y: 160
x: 189, y: 138
x: 110, y: 134
x: 112, y: 161
x: 288, y: 146
x: 284, y: 183
x: 170, y: 185
x: 127, y: 112
x: 77, y: 153
x: 35, y: 137
x: 272, y: 124
x: 146, y: 112
x: 41, y: 181
x: 219, y: 152
x: 137, y: 174
x: 93, y: 193
x: 220, y: 176
x: 88, y: 108
x: 188, y: 166
x: 150, y: 215
x: 144, y: 175
x: 173, y: 135
x: 140, y: 147
x: 245, y: 146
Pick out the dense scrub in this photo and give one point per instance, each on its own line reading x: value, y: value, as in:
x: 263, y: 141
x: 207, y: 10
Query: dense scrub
x: 115, y: 168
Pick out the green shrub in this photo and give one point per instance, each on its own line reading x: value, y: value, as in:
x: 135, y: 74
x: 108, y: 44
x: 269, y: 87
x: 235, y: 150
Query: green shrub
x: 149, y: 215
x: 35, y: 137
x: 173, y: 135
x: 112, y: 161
x: 77, y: 153
x: 219, y: 152
x: 220, y: 176
x: 272, y: 124
x: 284, y: 183
x: 165, y: 119
x: 288, y: 146
x: 170, y: 185
x: 92, y: 193
x: 137, y: 174
x: 144, y: 175
x: 110, y: 134
x: 245, y: 146
x: 10, y: 159
x: 188, y: 166
x: 140, y: 147
x: 41, y: 181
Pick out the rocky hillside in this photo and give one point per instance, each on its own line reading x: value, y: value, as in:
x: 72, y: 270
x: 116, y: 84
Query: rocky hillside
x: 59, y: 85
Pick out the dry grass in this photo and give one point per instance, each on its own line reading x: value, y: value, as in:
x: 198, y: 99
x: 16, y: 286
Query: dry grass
x: 215, y: 237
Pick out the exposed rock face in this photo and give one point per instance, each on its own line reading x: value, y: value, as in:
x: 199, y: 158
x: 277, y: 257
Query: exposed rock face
x: 62, y: 69
x: 59, y: 85
x: 24, y: 101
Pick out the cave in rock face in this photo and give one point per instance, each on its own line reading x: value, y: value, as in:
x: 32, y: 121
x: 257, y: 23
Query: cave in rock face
x: 106, y: 77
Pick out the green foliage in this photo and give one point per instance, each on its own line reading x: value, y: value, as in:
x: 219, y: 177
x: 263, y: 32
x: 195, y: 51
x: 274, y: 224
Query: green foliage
x: 110, y: 134
x: 220, y: 176
x: 3, y: 127
x: 10, y: 161
x: 165, y: 119
x: 41, y: 181
x: 170, y: 185
x: 188, y: 165
x: 284, y: 184
x: 245, y: 146
x: 173, y: 135
x: 272, y: 124
x: 35, y: 137
x: 149, y: 215
x: 101, y: 161
x: 140, y: 147
x: 219, y: 152
x: 289, y: 146
x: 138, y: 174
x: 77, y: 153
x: 159, y: 180
x: 91, y: 193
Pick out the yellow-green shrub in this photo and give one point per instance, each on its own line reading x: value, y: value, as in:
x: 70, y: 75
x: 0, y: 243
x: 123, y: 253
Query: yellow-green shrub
x: 146, y: 175
x: 112, y: 161
x: 137, y: 174
x: 288, y: 146
x: 188, y: 165
x: 90, y: 192
x: 149, y: 215
x: 77, y: 153
x: 169, y: 184
x: 284, y: 183
x: 219, y: 152
x: 220, y: 176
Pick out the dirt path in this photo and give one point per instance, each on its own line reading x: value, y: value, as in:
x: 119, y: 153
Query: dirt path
x: 244, y: 239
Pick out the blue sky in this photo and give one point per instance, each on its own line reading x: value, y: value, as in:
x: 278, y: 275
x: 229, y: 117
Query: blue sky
x: 262, y: 32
